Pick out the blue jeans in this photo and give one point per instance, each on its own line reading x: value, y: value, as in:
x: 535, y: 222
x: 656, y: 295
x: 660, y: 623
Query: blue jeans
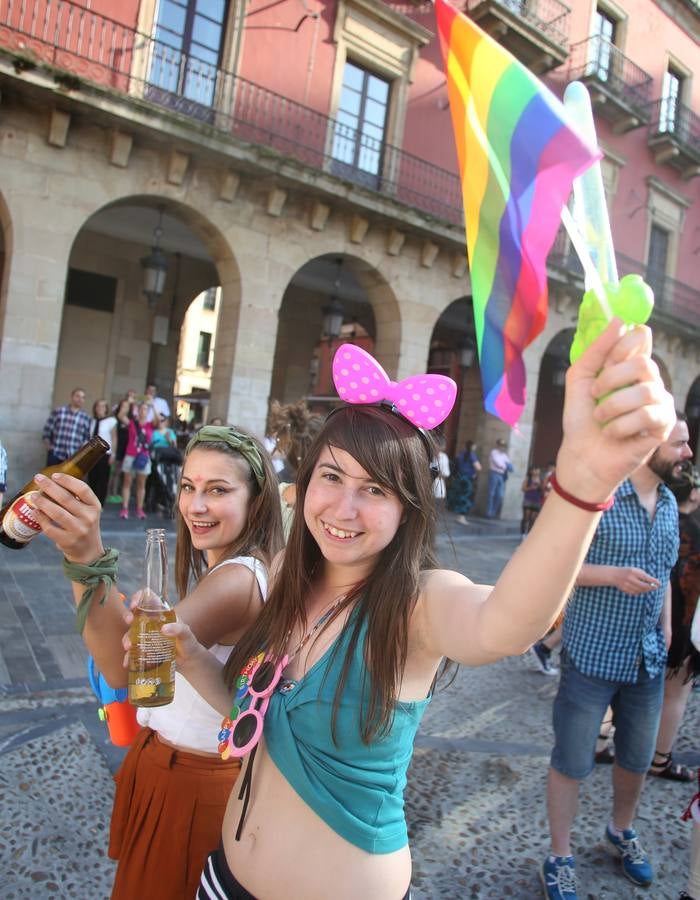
x: 497, y: 485
x: 578, y: 711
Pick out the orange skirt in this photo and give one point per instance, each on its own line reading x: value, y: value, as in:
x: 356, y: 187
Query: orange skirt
x: 168, y: 810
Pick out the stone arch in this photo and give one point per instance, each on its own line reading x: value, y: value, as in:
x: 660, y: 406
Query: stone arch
x: 303, y: 352
x: 549, y: 403
x: 453, y: 352
x: 143, y: 342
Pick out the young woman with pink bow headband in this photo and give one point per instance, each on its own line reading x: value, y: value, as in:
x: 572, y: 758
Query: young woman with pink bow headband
x: 325, y: 692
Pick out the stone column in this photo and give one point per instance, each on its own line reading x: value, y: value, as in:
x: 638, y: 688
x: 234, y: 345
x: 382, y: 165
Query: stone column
x: 43, y: 230
x: 247, y: 331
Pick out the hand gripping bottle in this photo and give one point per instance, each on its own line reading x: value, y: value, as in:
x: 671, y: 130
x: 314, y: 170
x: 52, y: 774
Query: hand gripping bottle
x: 17, y: 523
x: 152, y: 654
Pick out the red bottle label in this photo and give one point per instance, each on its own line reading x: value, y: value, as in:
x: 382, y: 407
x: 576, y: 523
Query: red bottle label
x: 18, y: 522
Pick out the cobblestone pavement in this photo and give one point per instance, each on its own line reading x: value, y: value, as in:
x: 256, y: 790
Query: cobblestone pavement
x: 475, y: 801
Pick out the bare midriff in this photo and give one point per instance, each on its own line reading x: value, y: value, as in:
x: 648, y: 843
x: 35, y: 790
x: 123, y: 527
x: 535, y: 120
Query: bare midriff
x: 286, y: 852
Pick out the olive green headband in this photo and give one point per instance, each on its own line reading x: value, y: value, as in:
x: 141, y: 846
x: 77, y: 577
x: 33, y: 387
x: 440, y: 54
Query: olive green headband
x: 236, y: 441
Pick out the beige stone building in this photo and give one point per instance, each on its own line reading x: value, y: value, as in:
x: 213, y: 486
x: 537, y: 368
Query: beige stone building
x: 99, y: 166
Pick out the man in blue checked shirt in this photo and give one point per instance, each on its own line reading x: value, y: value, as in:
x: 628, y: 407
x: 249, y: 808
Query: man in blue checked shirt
x: 66, y: 429
x: 617, y: 629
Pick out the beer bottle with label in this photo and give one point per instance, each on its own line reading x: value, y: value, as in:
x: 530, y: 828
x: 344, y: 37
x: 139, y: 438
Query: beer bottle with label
x: 152, y: 654
x: 17, y: 522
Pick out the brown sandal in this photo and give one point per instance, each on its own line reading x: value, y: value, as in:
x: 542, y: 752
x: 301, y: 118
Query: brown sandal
x: 669, y: 770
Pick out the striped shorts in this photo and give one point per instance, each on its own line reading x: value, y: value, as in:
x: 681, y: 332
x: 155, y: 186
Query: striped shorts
x: 219, y: 883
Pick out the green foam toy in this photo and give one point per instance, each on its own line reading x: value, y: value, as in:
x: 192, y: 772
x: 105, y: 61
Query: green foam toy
x: 632, y: 301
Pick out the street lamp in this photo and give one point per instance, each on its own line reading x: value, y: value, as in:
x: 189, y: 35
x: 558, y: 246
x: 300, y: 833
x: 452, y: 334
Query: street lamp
x: 333, y: 312
x: 466, y: 353
x: 155, y: 266
x: 559, y: 373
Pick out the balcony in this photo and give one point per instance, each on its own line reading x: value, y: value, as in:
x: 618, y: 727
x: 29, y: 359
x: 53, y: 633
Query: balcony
x: 620, y: 90
x: 535, y: 31
x: 83, y: 50
x: 676, y: 305
x: 674, y: 137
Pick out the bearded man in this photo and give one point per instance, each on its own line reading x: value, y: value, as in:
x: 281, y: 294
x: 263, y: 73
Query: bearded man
x: 617, y: 629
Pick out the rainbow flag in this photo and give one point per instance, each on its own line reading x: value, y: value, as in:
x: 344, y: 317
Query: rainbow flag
x: 518, y: 155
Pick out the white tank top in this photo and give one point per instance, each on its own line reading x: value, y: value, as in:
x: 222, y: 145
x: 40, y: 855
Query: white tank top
x: 189, y: 721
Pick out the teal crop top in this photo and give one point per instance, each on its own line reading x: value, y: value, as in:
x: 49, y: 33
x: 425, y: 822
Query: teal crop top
x: 356, y: 789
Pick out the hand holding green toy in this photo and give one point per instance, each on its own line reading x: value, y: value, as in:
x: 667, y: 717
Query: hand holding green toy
x: 632, y: 300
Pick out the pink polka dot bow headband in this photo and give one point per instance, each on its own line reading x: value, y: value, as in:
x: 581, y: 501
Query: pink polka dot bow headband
x: 425, y: 400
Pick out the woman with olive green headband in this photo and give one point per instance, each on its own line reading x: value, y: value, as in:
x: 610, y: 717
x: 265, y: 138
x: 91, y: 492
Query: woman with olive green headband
x: 171, y: 788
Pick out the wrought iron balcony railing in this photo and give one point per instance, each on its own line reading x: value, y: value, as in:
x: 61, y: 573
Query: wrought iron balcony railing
x: 79, y: 44
x: 550, y: 17
x: 672, y: 298
x: 86, y: 46
x: 599, y: 60
x: 677, y: 122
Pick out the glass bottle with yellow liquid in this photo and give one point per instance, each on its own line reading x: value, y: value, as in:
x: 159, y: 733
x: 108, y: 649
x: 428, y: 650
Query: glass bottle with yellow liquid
x: 152, y: 654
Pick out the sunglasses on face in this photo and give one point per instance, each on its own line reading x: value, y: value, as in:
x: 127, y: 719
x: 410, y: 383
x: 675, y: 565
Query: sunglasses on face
x: 241, y: 731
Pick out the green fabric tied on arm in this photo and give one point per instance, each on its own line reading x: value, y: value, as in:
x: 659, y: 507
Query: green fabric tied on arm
x: 102, y: 571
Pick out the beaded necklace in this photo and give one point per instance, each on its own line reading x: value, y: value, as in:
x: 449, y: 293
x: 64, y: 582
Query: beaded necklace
x: 248, y: 671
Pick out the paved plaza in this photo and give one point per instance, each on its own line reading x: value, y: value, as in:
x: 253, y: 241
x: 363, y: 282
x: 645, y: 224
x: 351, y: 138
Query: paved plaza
x: 475, y: 802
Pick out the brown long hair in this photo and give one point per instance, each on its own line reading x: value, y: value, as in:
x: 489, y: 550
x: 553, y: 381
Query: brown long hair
x: 294, y: 427
x: 394, y: 454
x: 262, y: 533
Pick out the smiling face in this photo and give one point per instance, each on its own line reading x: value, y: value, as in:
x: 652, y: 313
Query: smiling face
x: 351, y: 516
x: 214, y: 499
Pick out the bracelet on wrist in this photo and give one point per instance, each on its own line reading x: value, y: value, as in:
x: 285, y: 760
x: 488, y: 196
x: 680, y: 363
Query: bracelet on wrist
x: 102, y: 571
x: 575, y: 501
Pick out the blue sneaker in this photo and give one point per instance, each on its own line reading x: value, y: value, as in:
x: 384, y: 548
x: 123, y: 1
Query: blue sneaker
x: 635, y: 862
x: 558, y: 874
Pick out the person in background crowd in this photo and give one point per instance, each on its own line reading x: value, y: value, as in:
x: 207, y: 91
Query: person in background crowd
x: 683, y: 663
x: 614, y: 654
x: 157, y: 404
x: 443, y: 471
x: 462, y: 484
x: 217, y: 420
x: 105, y: 426
x: 122, y: 414
x: 532, y: 498
x: 137, y: 459
x: 547, y: 473
x: 163, y: 435
x: 499, y: 468
x: 292, y: 427
x: 542, y: 651
x: 133, y: 401
x: 66, y: 429
x: 3, y: 472
x: 172, y: 787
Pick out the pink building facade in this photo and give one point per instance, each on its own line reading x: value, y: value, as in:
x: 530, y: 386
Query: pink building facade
x: 299, y: 155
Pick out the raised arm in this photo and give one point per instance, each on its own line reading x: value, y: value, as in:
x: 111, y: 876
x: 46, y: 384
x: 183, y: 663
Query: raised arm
x: 616, y: 412
x: 69, y: 515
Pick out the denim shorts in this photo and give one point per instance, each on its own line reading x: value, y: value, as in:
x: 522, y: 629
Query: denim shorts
x: 578, y: 712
